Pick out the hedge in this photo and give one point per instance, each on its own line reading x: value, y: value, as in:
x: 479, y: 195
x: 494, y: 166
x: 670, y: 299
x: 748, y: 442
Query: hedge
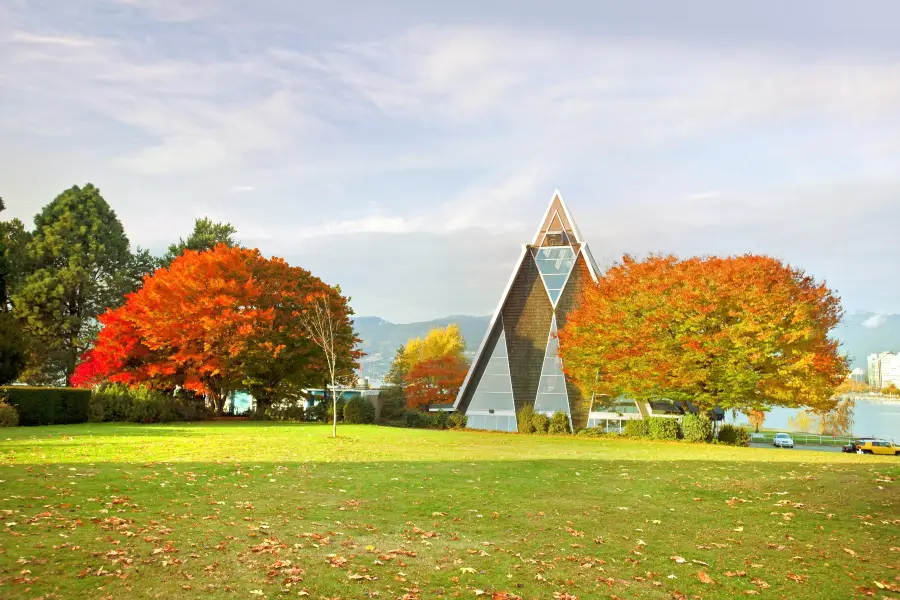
x: 638, y: 428
x: 697, y: 428
x: 48, y: 405
x: 662, y: 428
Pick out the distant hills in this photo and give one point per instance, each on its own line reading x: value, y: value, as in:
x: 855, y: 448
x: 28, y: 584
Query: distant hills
x: 380, y: 338
x: 861, y: 334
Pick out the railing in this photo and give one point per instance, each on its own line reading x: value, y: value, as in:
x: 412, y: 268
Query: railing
x: 805, y: 439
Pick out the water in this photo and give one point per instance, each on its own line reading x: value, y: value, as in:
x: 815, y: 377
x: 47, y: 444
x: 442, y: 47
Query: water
x: 871, y: 417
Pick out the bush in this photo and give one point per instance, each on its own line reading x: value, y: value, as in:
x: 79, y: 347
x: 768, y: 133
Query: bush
x: 414, y: 418
x: 637, y: 428
x: 118, y: 403
x: 286, y: 410
x: 696, y: 428
x: 329, y: 410
x: 48, y: 405
x: 96, y: 411
x: 559, y: 423
x: 8, y: 415
x: 540, y: 423
x: 734, y: 436
x: 112, y: 402
x: 457, y: 420
x: 524, y: 419
x: 440, y: 420
x: 595, y: 432
x: 393, y: 403
x: 317, y: 412
x: 662, y: 428
x: 359, y: 410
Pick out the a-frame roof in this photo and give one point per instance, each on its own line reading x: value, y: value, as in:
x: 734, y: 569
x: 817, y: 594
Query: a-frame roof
x: 557, y: 219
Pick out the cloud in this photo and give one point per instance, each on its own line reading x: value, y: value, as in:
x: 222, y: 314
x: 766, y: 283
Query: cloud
x: 678, y: 137
x: 875, y: 321
x: 53, y: 40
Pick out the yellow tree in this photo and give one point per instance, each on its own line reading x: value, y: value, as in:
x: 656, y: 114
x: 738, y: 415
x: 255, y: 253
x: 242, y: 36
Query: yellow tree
x: 440, y: 343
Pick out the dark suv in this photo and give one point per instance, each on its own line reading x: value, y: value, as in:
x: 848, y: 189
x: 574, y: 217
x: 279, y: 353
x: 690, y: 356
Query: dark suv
x: 854, y: 445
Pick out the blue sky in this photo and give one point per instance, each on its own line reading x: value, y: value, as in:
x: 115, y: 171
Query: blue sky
x: 406, y: 152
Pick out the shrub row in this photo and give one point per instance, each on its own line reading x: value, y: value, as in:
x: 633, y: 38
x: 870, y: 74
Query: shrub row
x: 529, y: 421
x: 47, y: 405
x: 693, y: 428
x: 116, y: 402
x: 427, y: 420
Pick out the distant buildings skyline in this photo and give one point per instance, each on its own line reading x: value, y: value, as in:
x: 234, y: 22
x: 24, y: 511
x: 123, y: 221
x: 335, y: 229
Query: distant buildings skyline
x: 883, y: 370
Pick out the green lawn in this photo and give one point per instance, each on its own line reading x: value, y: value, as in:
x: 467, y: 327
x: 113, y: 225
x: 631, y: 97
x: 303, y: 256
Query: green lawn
x: 251, y: 511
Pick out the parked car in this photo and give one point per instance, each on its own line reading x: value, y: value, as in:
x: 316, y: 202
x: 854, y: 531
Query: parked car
x: 879, y: 447
x: 783, y: 440
x: 854, y: 445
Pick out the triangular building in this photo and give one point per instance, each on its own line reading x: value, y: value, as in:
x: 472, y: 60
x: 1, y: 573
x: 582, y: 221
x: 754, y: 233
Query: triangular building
x: 517, y: 363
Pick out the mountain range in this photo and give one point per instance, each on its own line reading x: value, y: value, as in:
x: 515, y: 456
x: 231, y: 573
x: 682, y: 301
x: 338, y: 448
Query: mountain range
x: 861, y: 333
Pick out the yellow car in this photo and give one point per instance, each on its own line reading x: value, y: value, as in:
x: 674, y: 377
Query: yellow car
x: 878, y: 447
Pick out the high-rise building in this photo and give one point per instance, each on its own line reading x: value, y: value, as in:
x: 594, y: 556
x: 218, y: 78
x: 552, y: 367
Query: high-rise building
x: 883, y: 370
x: 890, y: 369
x: 517, y: 362
x: 873, y: 370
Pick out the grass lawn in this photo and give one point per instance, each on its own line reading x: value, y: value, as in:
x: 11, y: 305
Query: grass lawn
x: 252, y: 511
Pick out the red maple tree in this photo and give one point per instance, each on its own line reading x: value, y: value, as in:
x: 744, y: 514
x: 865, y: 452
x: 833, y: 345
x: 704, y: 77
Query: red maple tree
x: 435, y: 381
x: 216, y: 321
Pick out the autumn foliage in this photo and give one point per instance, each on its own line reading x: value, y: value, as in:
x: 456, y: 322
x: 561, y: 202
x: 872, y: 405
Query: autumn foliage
x: 216, y: 321
x: 740, y: 332
x: 435, y: 381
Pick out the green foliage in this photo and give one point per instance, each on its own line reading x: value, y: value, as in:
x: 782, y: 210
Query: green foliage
x: 457, y: 420
x: 287, y: 410
x: 524, y: 419
x: 359, y: 410
x: 329, y: 409
x: 119, y: 403
x: 393, y: 403
x: 414, y: 418
x: 48, y: 405
x: 12, y: 348
x: 540, y: 423
x: 734, y: 436
x: 319, y: 411
x: 8, y: 415
x: 697, y: 428
x: 81, y: 262
x: 205, y: 236
x: 662, y: 428
x: 559, y: 423
x: 637, y: 428
x: 594, y: 432
x: 96, y: 410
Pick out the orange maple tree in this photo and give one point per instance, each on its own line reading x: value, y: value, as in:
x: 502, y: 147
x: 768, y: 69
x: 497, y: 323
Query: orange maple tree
x: 216, y: 321
x: 742, y: 332
x: 435, y: 381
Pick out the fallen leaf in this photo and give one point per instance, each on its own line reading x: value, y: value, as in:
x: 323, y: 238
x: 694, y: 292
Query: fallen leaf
x: 704, y: 577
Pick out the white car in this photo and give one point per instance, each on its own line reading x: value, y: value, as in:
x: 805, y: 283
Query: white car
x: 783, y: 440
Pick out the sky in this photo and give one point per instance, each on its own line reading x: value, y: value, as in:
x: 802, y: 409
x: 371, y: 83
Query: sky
x: 405, y: 150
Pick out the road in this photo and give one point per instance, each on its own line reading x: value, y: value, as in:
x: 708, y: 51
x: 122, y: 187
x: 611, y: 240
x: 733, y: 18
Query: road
x: 806, y: 448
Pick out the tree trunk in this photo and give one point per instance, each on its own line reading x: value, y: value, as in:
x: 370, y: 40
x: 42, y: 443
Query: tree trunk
x: 334, y: 406
x: 261, y: 405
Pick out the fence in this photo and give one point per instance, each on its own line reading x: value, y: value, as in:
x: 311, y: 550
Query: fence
x: 806, y: 439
